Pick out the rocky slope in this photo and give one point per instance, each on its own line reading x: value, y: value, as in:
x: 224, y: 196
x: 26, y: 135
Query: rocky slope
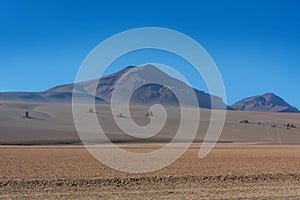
x: 268, y: 102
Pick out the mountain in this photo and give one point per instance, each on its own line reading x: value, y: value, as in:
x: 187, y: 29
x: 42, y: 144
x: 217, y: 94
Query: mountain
x: 123, y: 81
x: 150, y: 92
x: 268, y: 102
x: 43, y: 97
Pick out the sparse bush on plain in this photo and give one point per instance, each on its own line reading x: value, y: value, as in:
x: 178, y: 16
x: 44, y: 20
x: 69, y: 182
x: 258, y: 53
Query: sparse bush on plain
x: 120, y: 115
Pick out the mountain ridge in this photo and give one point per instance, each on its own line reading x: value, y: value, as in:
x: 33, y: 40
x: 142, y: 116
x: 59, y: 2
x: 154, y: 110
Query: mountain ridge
x: 131, y: 77
x: 268, y: 102
x: 151, y: 93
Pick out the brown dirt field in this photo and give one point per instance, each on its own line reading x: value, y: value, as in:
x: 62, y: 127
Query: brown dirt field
x: 228, y: 172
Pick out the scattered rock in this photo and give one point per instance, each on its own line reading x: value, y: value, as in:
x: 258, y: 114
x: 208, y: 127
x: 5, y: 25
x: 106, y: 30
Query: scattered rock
x: 120, y: 115
x: 244, y: 121
x: 290, y: 125
x: 26, y: 115
x: 149, y: 114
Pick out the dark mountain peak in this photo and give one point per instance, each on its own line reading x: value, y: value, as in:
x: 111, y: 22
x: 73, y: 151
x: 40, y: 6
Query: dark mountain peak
x: 273, y: 98
x: 129, y: 67
x: 268, y: 102
x: 129, y: 70
x: 144, y: 69
x: 269, y: 94
x: 148, y: 67
x: 118, y: 73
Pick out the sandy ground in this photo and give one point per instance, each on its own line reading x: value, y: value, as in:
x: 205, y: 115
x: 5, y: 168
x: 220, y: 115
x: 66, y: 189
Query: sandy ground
x: 254, y: 172
x: 53, y: 124
x: 259, y: 160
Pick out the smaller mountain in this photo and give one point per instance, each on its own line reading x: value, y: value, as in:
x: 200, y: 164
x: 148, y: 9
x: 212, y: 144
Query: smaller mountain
x: 268, y: 102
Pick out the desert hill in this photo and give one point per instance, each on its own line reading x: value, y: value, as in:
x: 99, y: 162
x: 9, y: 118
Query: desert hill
x: 124, y: 81
x: 149, y: 93
x: 268, y: 102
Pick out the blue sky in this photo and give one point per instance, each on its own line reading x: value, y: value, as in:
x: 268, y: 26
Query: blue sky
x: 255, y: 44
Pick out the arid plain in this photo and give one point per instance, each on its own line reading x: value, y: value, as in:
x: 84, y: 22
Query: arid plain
x: 42, y: 157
